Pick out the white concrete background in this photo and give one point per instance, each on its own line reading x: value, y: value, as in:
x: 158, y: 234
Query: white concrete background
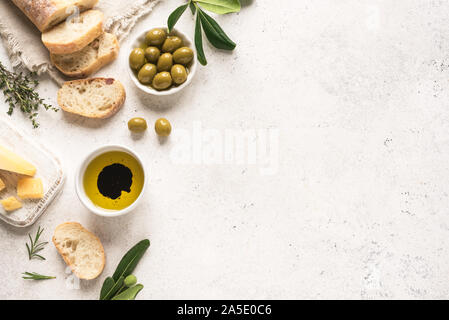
x: 358, y: 208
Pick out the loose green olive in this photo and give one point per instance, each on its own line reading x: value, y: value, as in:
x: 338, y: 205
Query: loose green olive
x: 155, y: 37
x: 137, y: 58
x: 171, y: 44
x: 130, y: 281
x: 162, y: 127
x: 178, y: 73
x: 152, y: 54
x: 162, y: 80
x: 137, y: 125
x: 147, y: 73
x: 183, y: 55
x: 165, y: 62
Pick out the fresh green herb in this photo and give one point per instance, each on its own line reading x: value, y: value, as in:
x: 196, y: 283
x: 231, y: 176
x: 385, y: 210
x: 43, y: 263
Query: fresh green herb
x: 192, y: 7
x: 130, y: 293
x: 175, y: 15
x: 214, y: 33
x: 36, y: 246
x: 108, y: 284
x: 19, y: 91
x: 118, y: 285
x: 199, y: 42
x: 130, y: 260
x: 115, y: 285
x: 35, y: 276
x: 220, y: 6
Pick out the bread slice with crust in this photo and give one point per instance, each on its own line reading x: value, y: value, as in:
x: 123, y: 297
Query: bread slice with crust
x: 97, y: 54
x: 75, y: 34
x: 97, y: 98
x: 80, y: 249
x: 47, y: 13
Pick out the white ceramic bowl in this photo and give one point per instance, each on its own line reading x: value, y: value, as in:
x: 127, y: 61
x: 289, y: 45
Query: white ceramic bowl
x: 191, y: 67
x: 79, y: 185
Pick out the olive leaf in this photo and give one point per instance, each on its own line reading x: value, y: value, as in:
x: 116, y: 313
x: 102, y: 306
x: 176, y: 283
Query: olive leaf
x: 130, y: 293
x: 115, y: 288
x: 192, y: 7
x: 130, y: 260
x: 214, y: 33
x: 199, y: 42
x: 220, y: 6
x: 108, y: 284
x: 175, y: 15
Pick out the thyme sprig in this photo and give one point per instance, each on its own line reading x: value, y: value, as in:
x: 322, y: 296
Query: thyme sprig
x: 20, y: 92
x: 35, y: 276
x: 36, y: 246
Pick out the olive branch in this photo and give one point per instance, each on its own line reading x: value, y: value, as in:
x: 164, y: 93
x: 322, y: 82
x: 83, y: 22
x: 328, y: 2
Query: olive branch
x: 214, y: 33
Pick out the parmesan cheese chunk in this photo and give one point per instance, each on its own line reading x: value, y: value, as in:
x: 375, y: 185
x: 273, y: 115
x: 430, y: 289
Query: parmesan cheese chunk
x: 11, y: 204
x: 10, y: 161
x: 30, y: 188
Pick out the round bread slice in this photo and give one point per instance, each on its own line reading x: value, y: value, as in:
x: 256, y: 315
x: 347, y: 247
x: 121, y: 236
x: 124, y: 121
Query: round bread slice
x: 97, y: 98
x: 97, y: 54
x: 80, y: 249
x: 75, y: 34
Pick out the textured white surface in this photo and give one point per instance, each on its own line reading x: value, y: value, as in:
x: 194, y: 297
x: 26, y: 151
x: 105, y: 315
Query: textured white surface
x: 358, y: 207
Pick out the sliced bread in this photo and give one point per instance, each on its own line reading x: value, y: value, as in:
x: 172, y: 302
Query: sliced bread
x: 80, y: 249
x: 92, y: 98
x: 81, y: 64
x: 75, y: 34
x: 47, y: 13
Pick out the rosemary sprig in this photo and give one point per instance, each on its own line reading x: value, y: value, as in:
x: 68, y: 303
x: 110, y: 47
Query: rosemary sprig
x: 35, y: 276
x: 36, y: 246
x: 19, y: 91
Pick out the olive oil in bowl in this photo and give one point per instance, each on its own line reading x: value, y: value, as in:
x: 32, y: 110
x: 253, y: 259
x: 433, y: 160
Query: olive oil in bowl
x: 113, y: 180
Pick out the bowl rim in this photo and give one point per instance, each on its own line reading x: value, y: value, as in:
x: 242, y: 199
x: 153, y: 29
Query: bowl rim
x: 173, y: 90
x: 84, y: 199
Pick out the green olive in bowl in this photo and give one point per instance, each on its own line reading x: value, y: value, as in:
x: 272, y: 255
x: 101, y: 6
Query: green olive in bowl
x: 137, y: 58
x: 162, y: 81
x: 165, y: 62
x: 183, y: 55
x: 147, y: 73
x: 178, y: 73
x: 171, y: 44
x: 165, y: 83
x: 152, y: 54
x: 155, y: 37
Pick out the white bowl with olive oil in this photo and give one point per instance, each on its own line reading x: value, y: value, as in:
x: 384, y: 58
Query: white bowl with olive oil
x: 111, y: 181
x: 191, y: 67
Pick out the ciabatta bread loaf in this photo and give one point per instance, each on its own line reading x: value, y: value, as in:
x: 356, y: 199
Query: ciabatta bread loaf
x: 75, y: 34
x: 80, y: 249
x: 97, y: 98
x: 47, y: 13
x: 81, y: 64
